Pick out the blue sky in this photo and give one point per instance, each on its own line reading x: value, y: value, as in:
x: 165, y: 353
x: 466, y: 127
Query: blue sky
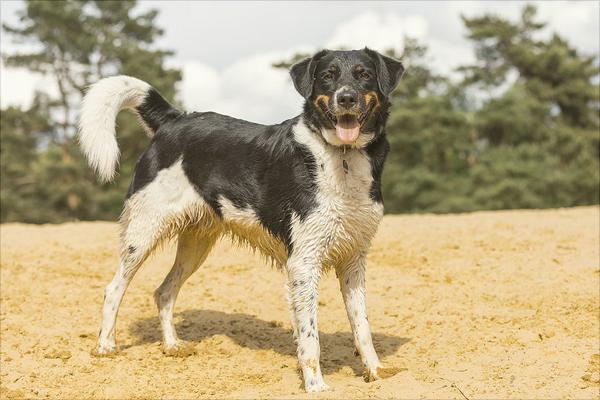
x: 225, y: 49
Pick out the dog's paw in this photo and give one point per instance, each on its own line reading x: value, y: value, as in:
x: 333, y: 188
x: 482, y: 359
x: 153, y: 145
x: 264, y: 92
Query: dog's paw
x: 104, y: 350
x: 316, y: 386
x: 179, y: 349
x: 380, y: 373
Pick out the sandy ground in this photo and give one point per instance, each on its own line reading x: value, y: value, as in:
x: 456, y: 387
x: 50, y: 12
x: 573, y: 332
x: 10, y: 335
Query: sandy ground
x: 483, y: 305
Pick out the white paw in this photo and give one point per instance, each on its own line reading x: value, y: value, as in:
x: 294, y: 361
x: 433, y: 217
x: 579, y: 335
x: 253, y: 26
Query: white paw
x: 105, y: 350
x: 316, y: 386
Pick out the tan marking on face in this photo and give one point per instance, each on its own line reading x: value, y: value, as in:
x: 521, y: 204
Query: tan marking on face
x: 369, y: 96
x: 321, y: 97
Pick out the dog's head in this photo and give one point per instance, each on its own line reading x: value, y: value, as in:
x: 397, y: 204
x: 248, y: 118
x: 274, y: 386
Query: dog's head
x: 347, y: 93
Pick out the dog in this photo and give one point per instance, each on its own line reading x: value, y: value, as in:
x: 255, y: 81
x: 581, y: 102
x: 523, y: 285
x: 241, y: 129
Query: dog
x: 306, y: 192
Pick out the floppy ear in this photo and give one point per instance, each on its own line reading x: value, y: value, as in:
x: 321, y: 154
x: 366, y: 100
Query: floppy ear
x: 389, y: 71
x: 303, y: 74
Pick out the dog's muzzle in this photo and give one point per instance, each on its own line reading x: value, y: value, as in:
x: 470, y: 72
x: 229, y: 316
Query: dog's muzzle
x: 348, y: 117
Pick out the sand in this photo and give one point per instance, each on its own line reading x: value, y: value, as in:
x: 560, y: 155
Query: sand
x: 482, y: 305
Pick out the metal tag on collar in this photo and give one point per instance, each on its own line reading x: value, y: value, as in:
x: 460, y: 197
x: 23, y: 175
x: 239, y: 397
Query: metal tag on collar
x: 344, y: 163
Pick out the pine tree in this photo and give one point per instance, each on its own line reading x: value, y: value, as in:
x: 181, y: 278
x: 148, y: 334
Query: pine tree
x: 540, y: 139
x: 21, y: 133
x: 520, y: 130
x: 77, y: 43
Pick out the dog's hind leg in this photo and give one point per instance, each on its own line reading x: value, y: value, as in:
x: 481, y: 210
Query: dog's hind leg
x: 143, y: 226
x: 113, y: 294
x: 192, y: 249
x: 156, y: 211
x: 135, y: 249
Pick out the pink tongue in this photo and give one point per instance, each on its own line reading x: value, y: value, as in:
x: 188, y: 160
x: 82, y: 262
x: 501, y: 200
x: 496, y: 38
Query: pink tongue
x: 347, y: 135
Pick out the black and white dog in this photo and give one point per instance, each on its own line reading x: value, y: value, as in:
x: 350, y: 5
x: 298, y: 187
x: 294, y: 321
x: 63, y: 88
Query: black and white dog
x: 305, y: 192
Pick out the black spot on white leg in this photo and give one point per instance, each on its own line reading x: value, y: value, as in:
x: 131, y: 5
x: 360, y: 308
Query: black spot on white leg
x: 312, y: 382
x: 303, y: 329
x: 312, y: 322
x: 131, y: 250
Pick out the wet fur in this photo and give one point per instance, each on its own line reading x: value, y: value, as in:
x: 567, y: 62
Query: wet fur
x: 284, y: 190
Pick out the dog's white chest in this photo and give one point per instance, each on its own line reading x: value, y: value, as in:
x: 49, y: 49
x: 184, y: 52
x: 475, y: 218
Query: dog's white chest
x: 345, y: 218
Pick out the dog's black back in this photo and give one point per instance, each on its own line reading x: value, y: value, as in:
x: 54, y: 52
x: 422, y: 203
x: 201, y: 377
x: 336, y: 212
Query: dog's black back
x: 257, y: 166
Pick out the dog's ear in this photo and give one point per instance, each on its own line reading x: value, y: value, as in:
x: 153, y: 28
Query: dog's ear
x: 303, y: 74
x: 389, y: 71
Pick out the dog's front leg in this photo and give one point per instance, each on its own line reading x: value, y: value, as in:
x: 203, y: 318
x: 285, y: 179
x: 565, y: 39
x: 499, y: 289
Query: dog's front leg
x: 303, y: 282
x: 352, y: 285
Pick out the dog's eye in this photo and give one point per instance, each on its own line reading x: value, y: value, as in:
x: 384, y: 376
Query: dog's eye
x: 365, y: 76
x: 327, y: 76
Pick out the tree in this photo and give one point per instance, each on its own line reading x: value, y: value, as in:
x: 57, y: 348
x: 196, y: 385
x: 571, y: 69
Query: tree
x: 520, y: 129
x: 430, y: 139
x: 551, y: 71
x: 490, y: 140
x: 21, y: 132
x: 540, y: 139
x: 78, y: 43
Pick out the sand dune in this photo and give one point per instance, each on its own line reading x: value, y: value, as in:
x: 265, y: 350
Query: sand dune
x: 483, y: 305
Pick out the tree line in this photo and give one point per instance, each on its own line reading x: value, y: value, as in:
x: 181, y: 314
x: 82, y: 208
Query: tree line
x: 517, y: 129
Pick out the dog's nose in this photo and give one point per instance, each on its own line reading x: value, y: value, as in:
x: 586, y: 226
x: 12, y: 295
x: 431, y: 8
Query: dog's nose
x: 346, y: 99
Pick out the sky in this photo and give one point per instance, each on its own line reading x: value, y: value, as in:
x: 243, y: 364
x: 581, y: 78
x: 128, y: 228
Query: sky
x: 225, y: 49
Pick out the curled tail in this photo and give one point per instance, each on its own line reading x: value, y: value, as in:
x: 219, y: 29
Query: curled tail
x: 102, y: 103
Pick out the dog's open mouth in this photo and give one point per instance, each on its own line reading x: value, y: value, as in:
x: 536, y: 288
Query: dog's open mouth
x: 347, y: 126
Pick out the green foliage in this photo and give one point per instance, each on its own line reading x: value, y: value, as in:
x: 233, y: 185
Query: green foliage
x: 21, y: 132
x: 76, y: 43
x: 534, y: 143
x: 520, y: 130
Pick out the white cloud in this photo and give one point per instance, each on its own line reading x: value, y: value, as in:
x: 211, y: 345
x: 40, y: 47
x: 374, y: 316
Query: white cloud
x: 377, y: 31
x: 252, y: 89
x: 200, y: 83
x: 18, y: 85
x: 578, y: 22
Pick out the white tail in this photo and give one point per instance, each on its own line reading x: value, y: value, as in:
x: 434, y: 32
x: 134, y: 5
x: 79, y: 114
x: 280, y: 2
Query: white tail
x: 101, y: 104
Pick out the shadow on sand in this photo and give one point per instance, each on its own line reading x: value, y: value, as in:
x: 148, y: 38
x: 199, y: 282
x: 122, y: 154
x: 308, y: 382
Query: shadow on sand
x: 337, y: 349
